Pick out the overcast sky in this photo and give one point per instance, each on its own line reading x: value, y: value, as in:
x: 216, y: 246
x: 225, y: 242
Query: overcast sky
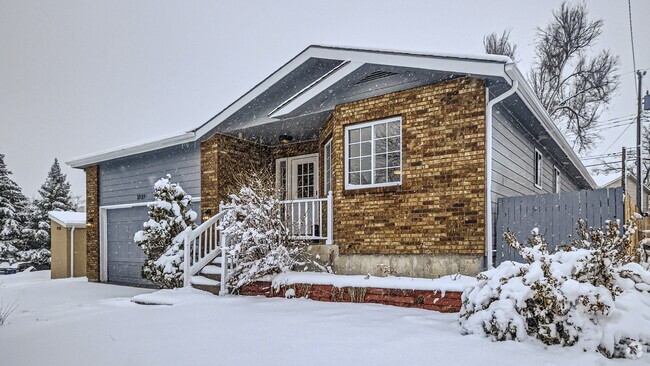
x: 81, y: 76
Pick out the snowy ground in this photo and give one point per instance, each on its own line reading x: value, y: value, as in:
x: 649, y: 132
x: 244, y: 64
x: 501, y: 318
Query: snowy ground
x: 73, y: 322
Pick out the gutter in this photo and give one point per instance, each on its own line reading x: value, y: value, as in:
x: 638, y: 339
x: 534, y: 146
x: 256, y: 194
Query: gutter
x: 126, y: 150
x: 488, y: 163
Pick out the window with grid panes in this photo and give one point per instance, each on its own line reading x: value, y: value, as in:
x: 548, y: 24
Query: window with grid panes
x: 374, y: 154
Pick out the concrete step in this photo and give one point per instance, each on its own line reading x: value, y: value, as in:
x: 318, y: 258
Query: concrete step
x: 205, y: 284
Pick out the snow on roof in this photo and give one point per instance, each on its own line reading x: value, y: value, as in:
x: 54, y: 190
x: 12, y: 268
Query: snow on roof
x: 68, y: 218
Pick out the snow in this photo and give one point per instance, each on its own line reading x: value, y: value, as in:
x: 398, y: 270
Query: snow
x: 453, y: 283
x: 69, y: 218
x: 73, y: 322
x: 204, y: 281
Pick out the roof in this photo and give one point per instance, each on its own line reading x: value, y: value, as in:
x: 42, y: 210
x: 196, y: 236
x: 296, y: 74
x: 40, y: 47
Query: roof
x: 68, y: 218
x: 300, y: 96
x: 616, y: 182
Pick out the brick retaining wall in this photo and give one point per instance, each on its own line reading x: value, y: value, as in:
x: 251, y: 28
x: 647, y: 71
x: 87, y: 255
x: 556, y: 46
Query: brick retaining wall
x: 450, y: 302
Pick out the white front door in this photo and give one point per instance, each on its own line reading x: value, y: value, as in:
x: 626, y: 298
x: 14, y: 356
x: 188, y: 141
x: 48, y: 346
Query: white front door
x: 297, y: 181
x: 304, y: 177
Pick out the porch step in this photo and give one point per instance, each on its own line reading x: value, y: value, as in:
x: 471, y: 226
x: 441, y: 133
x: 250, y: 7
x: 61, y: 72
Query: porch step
x: 212, y: 269
x: 205, y: 284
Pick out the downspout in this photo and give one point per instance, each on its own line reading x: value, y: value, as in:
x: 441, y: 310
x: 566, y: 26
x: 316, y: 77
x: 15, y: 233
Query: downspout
x: 488, y: 165
x: 72, y: 252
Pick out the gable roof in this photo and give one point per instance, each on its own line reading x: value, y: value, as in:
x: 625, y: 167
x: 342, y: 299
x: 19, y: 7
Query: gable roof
x: 616, y: 182
x: 301, y: 94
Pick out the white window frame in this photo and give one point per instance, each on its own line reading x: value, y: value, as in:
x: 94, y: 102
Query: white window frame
x: 538, y: 166
x: 557, y: 179
x: 372, y: 177
x: 327, y: 173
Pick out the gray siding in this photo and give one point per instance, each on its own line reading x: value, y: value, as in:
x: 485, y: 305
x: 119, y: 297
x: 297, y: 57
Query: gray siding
x: 513, y: 163
x: 122, y: 180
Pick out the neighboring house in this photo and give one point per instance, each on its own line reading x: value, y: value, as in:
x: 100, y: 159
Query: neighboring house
x: 631, y: 189
x: 415, y: 148
x: 68, y: 244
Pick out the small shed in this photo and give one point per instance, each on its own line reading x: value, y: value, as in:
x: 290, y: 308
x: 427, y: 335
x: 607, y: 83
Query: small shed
x: 68, y: 243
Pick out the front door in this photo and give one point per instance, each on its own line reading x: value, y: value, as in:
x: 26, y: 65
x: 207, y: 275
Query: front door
x: 297, y: 179
x: 304, y: 177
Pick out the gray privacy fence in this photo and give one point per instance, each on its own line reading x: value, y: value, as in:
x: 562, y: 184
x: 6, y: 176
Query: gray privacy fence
x: 555, y: 215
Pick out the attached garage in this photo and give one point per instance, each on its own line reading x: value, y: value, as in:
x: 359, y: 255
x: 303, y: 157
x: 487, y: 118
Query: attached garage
x: 124, y: 258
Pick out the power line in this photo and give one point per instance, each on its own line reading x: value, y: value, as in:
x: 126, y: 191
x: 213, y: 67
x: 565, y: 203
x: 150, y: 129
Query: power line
x: 619, y: 136
x: 629, y: 8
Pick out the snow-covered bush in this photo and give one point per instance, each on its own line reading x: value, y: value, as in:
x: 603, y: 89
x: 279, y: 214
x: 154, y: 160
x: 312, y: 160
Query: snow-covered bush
x: 260, y: 237
x: 163, y: 235
x: 587, y: 294
x: 36, y: 256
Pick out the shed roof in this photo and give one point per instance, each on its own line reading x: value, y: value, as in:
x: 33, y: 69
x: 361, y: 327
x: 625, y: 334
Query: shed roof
x: 68, y: 218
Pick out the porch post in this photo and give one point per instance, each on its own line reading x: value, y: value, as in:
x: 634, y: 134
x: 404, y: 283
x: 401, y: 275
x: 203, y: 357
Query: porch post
x: 186, y: 260
x: 330, y: 219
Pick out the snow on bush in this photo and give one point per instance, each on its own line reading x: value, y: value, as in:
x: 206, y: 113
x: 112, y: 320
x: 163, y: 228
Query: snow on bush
x: 36, y: 256
x: 163, y: 235
x: 260, y: 239
x: 586, y: 294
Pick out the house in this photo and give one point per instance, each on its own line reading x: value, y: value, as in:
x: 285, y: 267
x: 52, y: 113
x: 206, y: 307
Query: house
x: 414, y: 148
x: 630, y: 189
x: 68, y: 244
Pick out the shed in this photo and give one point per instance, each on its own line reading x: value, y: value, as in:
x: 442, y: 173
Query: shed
x: 68, y: 243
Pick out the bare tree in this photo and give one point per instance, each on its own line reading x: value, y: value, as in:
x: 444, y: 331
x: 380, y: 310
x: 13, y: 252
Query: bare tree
x: 574, y: 87
x: 500, y: 45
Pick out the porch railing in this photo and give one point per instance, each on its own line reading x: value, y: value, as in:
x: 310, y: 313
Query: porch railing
x: 305, y: 218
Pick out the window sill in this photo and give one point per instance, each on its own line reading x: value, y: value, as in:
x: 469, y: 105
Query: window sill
x: 394, y: 188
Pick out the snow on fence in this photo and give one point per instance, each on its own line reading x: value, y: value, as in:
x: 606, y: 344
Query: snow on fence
x: 556, y: 215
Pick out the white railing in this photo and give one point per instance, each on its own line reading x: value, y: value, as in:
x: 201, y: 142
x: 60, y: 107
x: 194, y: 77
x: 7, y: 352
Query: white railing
x: 203, y: 245
x: 305, y: 218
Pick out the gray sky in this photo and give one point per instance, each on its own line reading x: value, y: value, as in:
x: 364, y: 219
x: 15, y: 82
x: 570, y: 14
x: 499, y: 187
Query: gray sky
x: 81, y: 76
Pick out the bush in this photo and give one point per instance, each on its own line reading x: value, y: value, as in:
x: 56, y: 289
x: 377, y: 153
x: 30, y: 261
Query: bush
x: 587, y: 294
x: 261, y: 242
x: 163, y: 235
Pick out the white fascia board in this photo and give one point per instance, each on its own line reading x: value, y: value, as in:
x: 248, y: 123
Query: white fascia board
x: 315, y: 89
x: 126, y: 150
x: 452, y: 64
x: 532, y: 102
x: 253, y: 93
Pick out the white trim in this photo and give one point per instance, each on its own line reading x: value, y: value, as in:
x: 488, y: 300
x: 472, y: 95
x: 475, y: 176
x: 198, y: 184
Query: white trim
x: 327, y: 174
x: 372, y: 143
x: 488, y: 168
x: 539, y: 169
x: 535, y: 106
x: 103, y: 233
x: 557, y: 179
x: 315, y: 88
x: 131, y: 149
x: 289, y: 171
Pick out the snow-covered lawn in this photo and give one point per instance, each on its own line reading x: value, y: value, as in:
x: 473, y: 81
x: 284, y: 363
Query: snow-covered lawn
x: 73, y: 322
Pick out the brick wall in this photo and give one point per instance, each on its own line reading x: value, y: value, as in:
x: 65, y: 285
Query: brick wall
x: 92, y: 222
x: 223, y: 158
x: 439, y: 208
x: 445, y: 302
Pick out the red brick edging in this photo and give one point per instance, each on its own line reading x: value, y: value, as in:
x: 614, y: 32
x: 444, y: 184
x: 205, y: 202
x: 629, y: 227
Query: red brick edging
x: 422, y: 299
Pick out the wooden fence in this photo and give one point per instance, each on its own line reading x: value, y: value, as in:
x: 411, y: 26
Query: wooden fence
x: 555, y: 215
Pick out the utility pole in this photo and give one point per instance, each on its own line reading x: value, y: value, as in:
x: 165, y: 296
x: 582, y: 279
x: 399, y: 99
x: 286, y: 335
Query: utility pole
x: 624, y: 170
x: 639, y: 179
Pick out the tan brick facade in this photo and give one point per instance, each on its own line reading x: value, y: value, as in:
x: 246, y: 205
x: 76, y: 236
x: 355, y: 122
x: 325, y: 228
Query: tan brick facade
x: 92, y: 223
x: 439, y: 208
x: 222, y: 158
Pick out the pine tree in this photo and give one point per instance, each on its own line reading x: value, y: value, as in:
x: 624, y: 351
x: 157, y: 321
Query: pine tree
x: 162, y: 238
x: 54, y: 196
x: 12, y: 212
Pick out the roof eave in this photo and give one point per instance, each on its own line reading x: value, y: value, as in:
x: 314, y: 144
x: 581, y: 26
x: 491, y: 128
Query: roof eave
x: 528, y: 96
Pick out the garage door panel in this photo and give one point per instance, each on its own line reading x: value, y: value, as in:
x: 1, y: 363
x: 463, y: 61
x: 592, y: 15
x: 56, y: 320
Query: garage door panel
x: 125, y: 258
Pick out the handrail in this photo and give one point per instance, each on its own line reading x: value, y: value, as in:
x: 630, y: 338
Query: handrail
x: 200, y: 246
x: 304, y: 218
